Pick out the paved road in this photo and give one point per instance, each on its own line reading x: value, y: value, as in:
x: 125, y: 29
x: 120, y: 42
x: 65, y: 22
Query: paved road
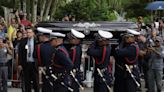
x: 19, y: 90
x: 86, y: 89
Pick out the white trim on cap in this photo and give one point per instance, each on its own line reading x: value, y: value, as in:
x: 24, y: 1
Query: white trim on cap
x: 134, y: 32
x: 44, y: 30
x: 77, y: 33
x: 57, y: 34
x: 105, y: 34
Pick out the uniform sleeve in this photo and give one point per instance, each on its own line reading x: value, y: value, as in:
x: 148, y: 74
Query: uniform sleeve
x: 93, y: 51
x: 127, y: 51
x: 64, y: 60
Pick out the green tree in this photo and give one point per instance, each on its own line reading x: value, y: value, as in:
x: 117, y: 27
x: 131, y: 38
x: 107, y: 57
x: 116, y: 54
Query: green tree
x: 95, y: 10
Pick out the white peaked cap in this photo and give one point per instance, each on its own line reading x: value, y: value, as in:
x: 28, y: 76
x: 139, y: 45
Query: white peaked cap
x: 77, y: 34
x: 134, y: 32
x: 105, y: 34
x: 57, y: 35
x: 44, y: 30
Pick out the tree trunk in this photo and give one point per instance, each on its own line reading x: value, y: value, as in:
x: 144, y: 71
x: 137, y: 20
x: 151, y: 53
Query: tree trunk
x: 20, y: 5
x: 28, y: 9
x: 47, y: 10
x: 42, y: 8
x: 34, y: 11
x: 16, y: 4
x: 24, y: 6
x: 53, y: 9
x: 6, y: 15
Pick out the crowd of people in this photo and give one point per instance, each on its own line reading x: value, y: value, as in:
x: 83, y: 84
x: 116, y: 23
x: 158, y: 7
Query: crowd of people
x: 139, y: 55
x: 151, y: 61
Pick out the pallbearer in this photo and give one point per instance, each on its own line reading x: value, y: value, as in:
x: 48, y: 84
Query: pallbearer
x: 44, y: 55
x: 75, y: 38
x: 62, y: 64
x: 126, y: 69
x: 100, y: 50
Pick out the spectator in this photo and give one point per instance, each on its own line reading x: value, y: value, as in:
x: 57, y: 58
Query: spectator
x: 66, y: 18
x: 22, y: 20
x: 142, y: 60
x: 4, y: 50
x: 140, y: 23
x: 156, y: 23
x: 16, y: 43
x: 161, y: 29
x: 3, y: 30
x: 27, y: 61
x: 152, y: 37
x: 12, y: 29
x: 73, y: 18
x: 9, y: 58
x: 155, y: 66
x: 24, y: 34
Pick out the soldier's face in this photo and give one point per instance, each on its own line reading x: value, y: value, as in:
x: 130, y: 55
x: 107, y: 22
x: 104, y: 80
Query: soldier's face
x: 129, y: 39
x: 56, y: 42
x: 40, y: 38
x: 74, y: 41
x: 102, y: 42
x: 53, y: 42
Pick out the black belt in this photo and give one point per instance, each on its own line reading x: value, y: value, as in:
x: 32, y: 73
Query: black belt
x: 59, y: 75
x: 3, y: 64
x: 132, y: 66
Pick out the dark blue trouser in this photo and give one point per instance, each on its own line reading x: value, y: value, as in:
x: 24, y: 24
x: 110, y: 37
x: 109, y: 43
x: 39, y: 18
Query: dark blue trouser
x: 99, y: 84
x: 60, y: 88
x: 124, y: 85
x: 100, y: 87
x: 46, y: 86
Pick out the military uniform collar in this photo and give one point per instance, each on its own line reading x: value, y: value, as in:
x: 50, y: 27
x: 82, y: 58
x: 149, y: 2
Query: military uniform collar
x: 59, y: 46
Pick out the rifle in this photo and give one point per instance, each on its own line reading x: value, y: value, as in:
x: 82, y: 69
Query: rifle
x: 53, y: 76
x: 76, y: 80
x: 104, y: 80
x: 130, y: 72
x: 46, y: 76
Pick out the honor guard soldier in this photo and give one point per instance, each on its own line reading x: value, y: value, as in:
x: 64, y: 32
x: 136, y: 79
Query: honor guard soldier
x: 126, y: 69
x: 44, y: 55
x: 62, y: 64
x: 44, y: 50
x: 74, y: 38
x: 100, y: 50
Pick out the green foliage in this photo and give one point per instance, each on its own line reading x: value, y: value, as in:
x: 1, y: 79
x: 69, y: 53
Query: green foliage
x: 135, y: 8
x: 87, y: 10
x: 8, y: 3
x: 146, y: 19
x: 95, y: 10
